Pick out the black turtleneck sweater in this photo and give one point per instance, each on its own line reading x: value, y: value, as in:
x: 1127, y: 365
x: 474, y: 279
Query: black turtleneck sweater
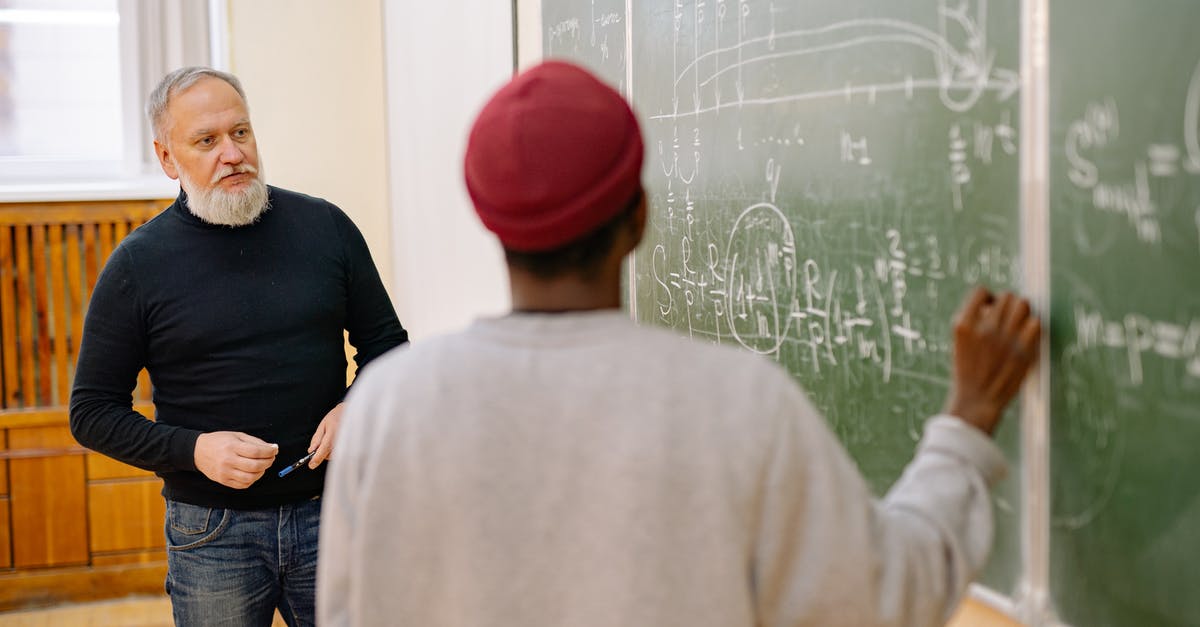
x: 241, y: 329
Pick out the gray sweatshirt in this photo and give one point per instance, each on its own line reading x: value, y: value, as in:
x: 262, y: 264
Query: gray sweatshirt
x: 579, y: 470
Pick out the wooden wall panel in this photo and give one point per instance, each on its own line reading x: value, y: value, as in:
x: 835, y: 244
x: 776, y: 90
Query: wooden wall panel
x: 135, y: 557
x: 143, y: 393
x: 49, y: 512
x: 50, y: 515
x: 105, y: 241
x: 3, y: 463
x: 41, y: 318
x: 101, y: 467
x: 125, y: 515
x: 120, y: 230
x: 8, y: 318
x: 42, y: 588
x: 5, y: 534
x: 76, y: 296
x: 60, y: 316
x: 25, y: 337
x: 5, y: 514
x: 91, y: 258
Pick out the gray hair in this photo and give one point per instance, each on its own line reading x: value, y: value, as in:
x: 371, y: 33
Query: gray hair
x: 175, y: 82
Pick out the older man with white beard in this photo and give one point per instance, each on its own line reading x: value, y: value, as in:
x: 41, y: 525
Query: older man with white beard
x: 235, y: 298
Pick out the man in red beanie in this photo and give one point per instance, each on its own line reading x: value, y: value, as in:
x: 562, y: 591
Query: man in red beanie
x: 562, y: 466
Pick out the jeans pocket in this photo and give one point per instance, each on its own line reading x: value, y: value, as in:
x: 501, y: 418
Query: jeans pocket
x: 190, y: 525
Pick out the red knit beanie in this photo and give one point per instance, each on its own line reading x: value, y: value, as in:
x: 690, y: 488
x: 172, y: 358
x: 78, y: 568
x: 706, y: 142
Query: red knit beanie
x: 553, y: 155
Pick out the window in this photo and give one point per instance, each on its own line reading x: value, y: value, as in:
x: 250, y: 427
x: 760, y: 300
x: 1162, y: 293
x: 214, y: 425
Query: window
x: 60, y: 94
x: 74, y: 76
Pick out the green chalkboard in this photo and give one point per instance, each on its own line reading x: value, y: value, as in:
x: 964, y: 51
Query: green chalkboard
x: 589, y: 32
x: 1125, y: 210
x: 826, y: 182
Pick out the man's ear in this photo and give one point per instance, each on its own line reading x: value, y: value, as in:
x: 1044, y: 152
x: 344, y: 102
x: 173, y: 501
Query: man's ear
x: 164, y: 159
x: 637, y: 222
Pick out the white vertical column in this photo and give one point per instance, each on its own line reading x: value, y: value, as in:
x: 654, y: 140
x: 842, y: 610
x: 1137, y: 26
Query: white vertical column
x: 218, y: 34
x: 631, y: 260
x: 1033, y: 595
x: 529, y: 32
x: 442, y: 60
x: 138, y: 156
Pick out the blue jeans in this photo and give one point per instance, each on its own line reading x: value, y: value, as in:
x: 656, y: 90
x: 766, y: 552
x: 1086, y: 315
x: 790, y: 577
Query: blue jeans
x: 235, y: 567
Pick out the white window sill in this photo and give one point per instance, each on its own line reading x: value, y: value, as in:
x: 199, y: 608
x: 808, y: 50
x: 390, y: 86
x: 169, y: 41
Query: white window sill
x: 147, y: 187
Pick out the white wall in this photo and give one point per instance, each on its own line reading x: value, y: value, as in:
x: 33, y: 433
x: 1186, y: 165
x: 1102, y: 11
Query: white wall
x: 443, y: 60
x: 313, y: 74
x: 367, y: 103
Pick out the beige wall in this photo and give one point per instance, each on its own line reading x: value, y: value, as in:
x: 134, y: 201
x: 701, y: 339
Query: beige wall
x: 317, y: 75
x: 313, y: 74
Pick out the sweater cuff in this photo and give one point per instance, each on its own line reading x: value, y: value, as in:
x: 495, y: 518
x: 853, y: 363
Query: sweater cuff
x: 183, y: 448
x: 952, y: 436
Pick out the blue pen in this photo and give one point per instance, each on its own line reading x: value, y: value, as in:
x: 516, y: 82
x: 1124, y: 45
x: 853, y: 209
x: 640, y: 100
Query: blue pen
x: 303, y: 460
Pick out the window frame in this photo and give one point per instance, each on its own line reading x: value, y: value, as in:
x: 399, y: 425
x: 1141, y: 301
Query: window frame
x: 155, y: 36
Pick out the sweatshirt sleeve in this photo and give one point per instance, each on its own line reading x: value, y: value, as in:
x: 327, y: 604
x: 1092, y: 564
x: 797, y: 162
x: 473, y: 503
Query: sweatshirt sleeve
x: 829, y: 553
x: 371, y: 320
x: 111, y: 354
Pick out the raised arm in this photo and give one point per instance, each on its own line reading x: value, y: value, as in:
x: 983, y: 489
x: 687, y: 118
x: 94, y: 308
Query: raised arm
x: 827, y: 553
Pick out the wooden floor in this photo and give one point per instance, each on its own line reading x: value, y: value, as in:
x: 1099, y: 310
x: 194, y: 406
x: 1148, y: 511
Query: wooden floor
x: 156, y: 612
x: 132, y: 612
x: 974, y: 614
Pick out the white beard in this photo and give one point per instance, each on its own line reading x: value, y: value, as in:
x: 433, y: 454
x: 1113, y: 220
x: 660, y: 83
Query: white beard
x: 217, y: 206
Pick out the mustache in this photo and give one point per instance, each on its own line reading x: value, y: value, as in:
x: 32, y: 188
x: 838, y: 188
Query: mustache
x: 229, y: 170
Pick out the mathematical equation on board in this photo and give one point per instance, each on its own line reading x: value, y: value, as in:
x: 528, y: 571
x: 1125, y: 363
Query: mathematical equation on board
x: 1132, y: 192
x: 1128, y: 194
x: 1120, y: 363
x: 960, y: 68
x: 596, y: 38
x: 1136, y: 336
x: 1101, y: 378
x: 756, y: 279
x: 754, y: 288
x: 954, y: 60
